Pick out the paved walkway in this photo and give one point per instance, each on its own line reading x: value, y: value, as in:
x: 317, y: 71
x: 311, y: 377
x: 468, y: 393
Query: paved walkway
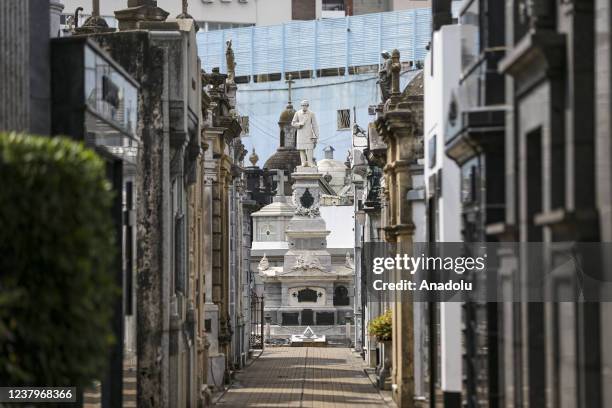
x: 303, y: 377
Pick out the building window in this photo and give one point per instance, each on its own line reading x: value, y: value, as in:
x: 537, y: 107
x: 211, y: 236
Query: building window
x: 333, y: 5
x: 325, y: 319
x: 291, y: 319
x: 341, y: 297
x: 303, y: 9
x: 307, y: 295
x: 344, y: 119
x: 214, y: 25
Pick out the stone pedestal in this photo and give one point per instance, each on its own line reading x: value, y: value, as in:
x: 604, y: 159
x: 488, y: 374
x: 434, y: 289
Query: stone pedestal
x: 307, y: 233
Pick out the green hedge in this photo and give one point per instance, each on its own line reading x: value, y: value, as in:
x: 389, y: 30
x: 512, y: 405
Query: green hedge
x: 56, y: 255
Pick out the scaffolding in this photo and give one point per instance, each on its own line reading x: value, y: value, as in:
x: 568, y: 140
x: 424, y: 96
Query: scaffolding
x: 311, y: 48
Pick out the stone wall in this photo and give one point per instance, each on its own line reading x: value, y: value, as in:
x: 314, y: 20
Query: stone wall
x: 24, y: 67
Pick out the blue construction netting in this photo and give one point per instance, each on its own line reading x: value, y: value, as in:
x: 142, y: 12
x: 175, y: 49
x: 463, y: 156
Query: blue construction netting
x: 319, y: 44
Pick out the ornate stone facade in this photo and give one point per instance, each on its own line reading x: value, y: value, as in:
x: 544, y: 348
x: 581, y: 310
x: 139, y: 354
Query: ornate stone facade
x: 400, y: 123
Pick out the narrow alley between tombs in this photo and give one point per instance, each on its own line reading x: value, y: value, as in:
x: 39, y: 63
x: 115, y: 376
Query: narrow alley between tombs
x: 306, y: 203
x: 317, y: 377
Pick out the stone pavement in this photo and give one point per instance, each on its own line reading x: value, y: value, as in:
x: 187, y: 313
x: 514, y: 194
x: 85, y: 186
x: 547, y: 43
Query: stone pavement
x: 319, y: 377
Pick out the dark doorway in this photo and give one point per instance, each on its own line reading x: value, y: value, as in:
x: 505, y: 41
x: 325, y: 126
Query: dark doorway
x: 307, y: 317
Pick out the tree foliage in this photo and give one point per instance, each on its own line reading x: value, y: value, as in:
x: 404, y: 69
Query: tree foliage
x: 56, y: 260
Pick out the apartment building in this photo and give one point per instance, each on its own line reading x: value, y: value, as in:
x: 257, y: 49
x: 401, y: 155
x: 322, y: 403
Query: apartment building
x: 224, y: 14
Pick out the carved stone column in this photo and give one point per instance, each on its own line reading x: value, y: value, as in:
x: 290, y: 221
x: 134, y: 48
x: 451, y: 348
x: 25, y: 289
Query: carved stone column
x: 222, y: 282
x: 400, y: 126
x: 215, y: 364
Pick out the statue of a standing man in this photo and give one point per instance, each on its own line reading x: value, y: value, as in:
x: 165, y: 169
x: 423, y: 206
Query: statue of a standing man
x: 307, y: 127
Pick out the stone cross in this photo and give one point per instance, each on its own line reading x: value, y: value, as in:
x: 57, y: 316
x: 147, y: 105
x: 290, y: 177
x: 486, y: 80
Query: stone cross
x: 289, y: 82
x: 280, y: 179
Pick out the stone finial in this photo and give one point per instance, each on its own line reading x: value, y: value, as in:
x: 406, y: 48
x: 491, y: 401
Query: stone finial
x: 254, y: 158
x: 328, y: 177
x: 396, y: 67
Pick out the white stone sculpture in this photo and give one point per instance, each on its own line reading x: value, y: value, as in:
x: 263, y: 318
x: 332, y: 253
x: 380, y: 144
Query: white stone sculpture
x: 300, y: 263
x: 307, y: 127
x: 349, y: 261
x: 264, y: 264
x: 315, y: 263
x: 307, y: 262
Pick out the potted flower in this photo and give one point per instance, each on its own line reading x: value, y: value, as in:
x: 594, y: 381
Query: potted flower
x: 382, y: 328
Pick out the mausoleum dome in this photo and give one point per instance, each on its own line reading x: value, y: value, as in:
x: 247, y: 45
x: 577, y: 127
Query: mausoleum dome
x: 334, y: 168
x: 284, y: 159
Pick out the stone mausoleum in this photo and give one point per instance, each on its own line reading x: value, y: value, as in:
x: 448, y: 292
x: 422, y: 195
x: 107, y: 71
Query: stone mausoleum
x: 302, y: 257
